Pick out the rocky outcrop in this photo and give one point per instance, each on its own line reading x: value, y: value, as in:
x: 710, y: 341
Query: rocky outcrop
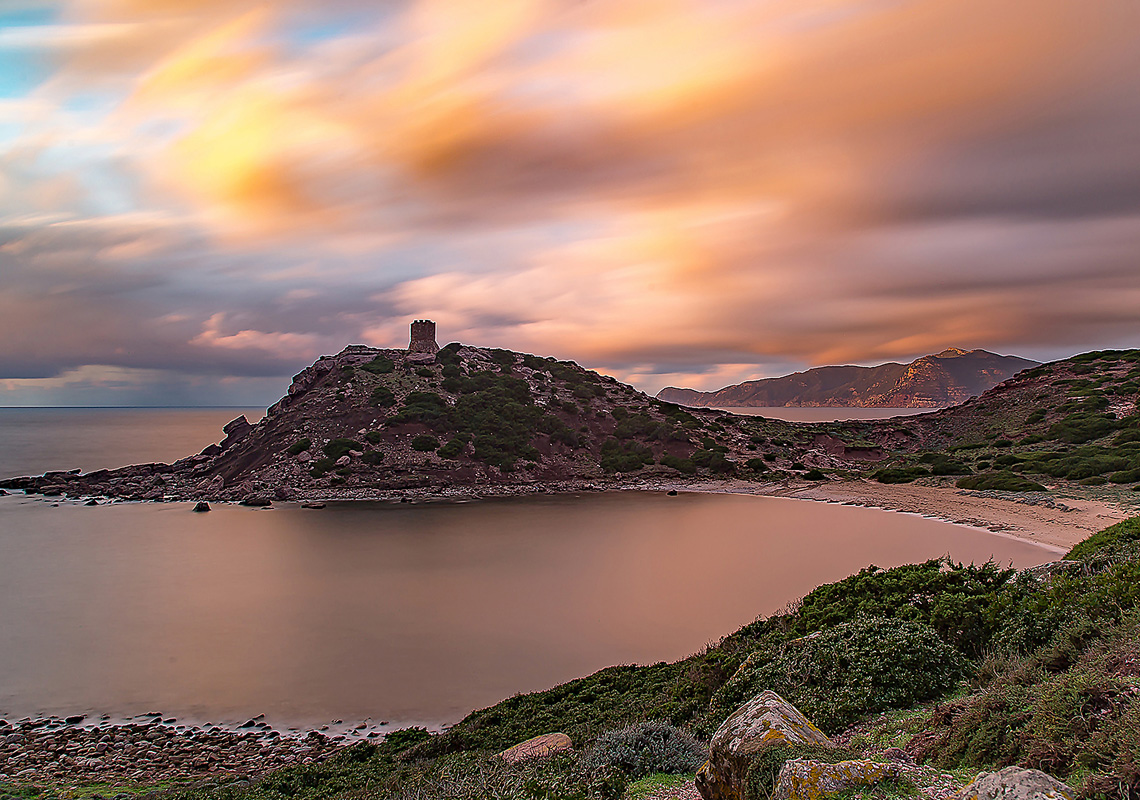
x: 1016, y: 783
x: 764, y: 720
x: 537, y: 747
x: 928, y: 382
x: 235, y: 430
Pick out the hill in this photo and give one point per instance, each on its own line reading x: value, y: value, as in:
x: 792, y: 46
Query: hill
x: 372, y: 423
x: 944, y: 379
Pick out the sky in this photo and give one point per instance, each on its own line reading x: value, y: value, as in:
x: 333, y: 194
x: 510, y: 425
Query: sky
x: 200, y: 197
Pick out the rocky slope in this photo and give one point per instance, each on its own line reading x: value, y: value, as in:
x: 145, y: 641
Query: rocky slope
x: 380, y: 424
x: 944, y: 379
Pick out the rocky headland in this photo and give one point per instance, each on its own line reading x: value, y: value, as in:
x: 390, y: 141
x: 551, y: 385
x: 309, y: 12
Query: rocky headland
x: 464, y: 422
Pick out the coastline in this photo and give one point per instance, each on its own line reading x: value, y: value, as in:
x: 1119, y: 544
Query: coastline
x: 1055, y: 523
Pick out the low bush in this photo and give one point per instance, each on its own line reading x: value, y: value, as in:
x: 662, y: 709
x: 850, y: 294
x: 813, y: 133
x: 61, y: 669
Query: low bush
x: 814, y: 475
x: 375, y: 437
x: 382, y: 397
x: 452, y: 449
x: 340, y: 447
x: 1115, y: 540
x: 757, y: 464
x: 1000, y: 481
x: 627, y: 456
x: 321, y: 467
x: 682, y: 465
x: 645, y: 748
x: 900, y: 474
x: 381, y: 365
x: 372, y: 457
x: 425, y: 443
x: 425, y: 372
x: 837, y: 676
x: 299, y: 446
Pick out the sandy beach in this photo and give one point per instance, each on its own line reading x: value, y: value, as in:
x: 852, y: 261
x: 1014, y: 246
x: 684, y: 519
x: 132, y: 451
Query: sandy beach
x: 1055, y: 522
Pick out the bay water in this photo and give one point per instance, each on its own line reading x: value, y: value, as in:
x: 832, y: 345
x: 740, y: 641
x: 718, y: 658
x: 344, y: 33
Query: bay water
x: 406, y: 614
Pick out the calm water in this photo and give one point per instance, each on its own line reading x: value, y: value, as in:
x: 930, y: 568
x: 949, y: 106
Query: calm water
x: 790, y: 414
x: 36, y: 440
x: 401, y: 613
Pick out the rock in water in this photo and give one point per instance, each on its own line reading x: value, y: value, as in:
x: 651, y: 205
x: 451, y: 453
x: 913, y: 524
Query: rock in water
x: 202, y: 506
x: 765, y: 719
x: 1016, y: 783
x: 539, y: 746
x: 256, y: 500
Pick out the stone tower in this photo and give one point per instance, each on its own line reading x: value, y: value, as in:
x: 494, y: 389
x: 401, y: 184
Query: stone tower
x: 423, y: 337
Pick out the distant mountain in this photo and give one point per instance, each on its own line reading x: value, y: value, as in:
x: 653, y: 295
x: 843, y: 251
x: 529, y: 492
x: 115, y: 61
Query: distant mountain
x: 928, y: 382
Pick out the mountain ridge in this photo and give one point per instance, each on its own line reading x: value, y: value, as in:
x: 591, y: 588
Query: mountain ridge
x: 932, y: 381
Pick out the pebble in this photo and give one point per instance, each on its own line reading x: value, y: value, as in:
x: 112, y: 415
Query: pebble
x: 62, y: 752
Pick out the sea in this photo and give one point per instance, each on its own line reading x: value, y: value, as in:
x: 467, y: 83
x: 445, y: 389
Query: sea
x: 385, y: 612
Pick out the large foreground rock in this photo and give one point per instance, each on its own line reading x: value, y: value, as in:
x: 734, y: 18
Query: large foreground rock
x: 1016, y: 783
x: 764, y: 720
x: 537, y: 747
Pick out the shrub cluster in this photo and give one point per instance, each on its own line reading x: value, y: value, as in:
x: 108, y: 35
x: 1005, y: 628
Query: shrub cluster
x: 645, y: 748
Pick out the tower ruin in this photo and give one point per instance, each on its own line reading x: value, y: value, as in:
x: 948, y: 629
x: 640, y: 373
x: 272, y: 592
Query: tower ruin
x: 423, y: 337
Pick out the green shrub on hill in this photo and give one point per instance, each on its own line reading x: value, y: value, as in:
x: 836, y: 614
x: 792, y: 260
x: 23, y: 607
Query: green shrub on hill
x: 645, y: 748
x: 682, y: 465
x: 1000, y: 481
x: 340, y: 447
x: 425, y: 443
x: 900, y: 474
x: 382, y: 397
x: 381, y: 365
x: 837, y: 676
x: 1119, y: 539
x: 954, y: 599
x: 299, y: 446
x: 617, y: 456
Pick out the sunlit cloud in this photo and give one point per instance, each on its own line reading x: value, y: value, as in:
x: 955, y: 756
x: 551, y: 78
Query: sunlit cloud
x: 673, y: 191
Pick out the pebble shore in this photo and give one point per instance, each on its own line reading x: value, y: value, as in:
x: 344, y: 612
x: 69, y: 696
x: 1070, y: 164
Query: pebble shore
x: 150, y: 750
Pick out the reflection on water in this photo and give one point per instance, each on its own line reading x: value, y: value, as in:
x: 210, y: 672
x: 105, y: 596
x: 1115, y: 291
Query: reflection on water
x: 405, y: 613
x: 812, y: 414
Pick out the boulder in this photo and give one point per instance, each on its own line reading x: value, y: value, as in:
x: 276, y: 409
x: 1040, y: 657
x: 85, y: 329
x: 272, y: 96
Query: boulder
x: 201, y: 506
x: 803, y: 779
x: 537, y: 747
x: 235, y: 430
x: 1016, y: 783
x: 764, y: 720
x: 256, y: 500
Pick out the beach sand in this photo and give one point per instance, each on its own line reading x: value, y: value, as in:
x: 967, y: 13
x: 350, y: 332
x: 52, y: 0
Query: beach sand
x: 1056, y: 522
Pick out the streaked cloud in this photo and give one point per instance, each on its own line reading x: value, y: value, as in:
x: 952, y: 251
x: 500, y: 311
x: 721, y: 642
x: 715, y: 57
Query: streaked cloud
x: 676, y: 190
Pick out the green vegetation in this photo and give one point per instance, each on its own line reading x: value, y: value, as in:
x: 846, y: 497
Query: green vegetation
x: 619, y: 456
x: 646, y: 748
x: 453, y: 448
x: 382, y: 397
x: 381, y: 365
x: 340, y: 447
x: 683, y: 465
x: 900, y: 474
x: 425, y: 443
x: 1000, y: 481
x: 837, y: 676
x: 299, y: 446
